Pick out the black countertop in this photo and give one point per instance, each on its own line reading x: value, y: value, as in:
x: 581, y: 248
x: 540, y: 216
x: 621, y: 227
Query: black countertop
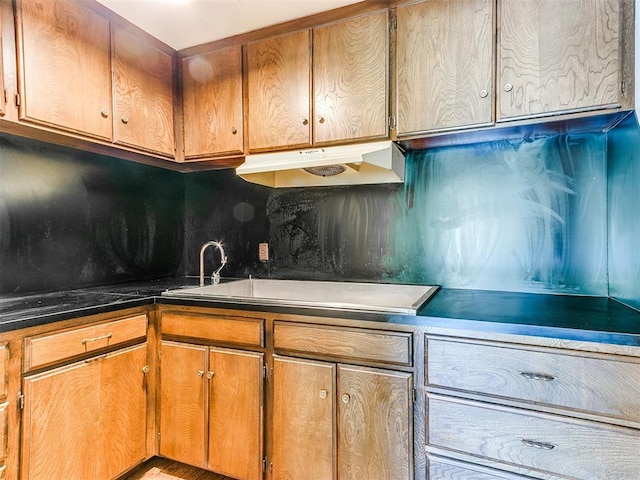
x: 584, y: 318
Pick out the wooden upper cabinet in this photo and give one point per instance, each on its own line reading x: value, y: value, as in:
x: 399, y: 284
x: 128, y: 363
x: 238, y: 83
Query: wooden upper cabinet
x: 278, y: 78
x: 143, y: 94
x: 2, y: 90
x: 212, y: 103
x: 445, y: 53
x: 350, y: 79
x: 558, y: 56
x: 64, y: 67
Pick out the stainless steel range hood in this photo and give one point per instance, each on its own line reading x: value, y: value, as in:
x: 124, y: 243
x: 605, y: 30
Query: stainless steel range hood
x: 366, y: 163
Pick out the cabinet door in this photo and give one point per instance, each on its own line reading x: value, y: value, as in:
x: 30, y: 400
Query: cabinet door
x: 445, y: 74
x: 85, y: 420
x: 350, y: 79
x: 64, y: 66
x: 2, y: 91
x: 304, y: 417
x: 235, y: 413
x: 279, y: 76
x: 182, y: 402
x: 375, y: 434
x: 212, y: 103
x: 557, y: 56
x: 144, y: 94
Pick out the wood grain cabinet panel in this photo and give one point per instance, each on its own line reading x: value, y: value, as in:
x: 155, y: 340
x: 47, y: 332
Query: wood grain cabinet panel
x: 606, y: 385
x: 440, y: 468
x: 2, y: 89
x: 345, y: 343
x: 546, y: 444
x: 212, y: 103
x: 86, y: 420
x: 215, y: 328
x: 558, y: 56
x: 143, y: 94
x: 279, y: 91
x: 45, y: 349
x: 64, y: 67
x: 445, y: 58
x: 304, y: 413
x: 350, y: 79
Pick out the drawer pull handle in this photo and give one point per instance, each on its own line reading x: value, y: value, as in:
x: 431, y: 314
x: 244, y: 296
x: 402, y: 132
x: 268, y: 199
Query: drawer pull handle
x: 537, y: 376
x: 106, y: 336
x: 540, y: 445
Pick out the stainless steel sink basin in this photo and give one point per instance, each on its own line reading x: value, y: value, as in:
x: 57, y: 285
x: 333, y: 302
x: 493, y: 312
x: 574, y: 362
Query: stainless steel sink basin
x: 370, y: 297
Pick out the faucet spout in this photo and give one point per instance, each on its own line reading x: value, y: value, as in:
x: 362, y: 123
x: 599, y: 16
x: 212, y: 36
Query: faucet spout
x: 215, y: 277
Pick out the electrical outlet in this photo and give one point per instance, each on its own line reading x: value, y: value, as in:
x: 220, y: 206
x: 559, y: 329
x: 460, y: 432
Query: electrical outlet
x: 263, y: 252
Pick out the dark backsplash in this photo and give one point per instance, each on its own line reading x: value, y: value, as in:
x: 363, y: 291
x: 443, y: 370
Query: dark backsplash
x: 529, y: 216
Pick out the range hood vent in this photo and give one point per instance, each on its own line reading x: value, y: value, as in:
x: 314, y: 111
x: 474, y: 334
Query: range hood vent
x: 367, y: 163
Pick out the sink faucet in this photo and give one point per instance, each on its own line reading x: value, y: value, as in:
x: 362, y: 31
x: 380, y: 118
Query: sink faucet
x: 215, y: 278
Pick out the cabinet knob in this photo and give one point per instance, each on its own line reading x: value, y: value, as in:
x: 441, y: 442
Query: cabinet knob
x: 200, y: 373
x: 483, y: 94
x: 508, y: 87
x: 210, y: 374
x: 146, y: 369
x: 320, y: 119
x: 305, y: 121
x: 345, y: 398
x: 125, y: 119
x: 234, y: 130
x: 323, y: 394
x: 104, y: 113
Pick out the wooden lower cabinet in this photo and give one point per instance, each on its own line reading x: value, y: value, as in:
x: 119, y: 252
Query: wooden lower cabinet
x: 340, y: 421
x: 86, y: 420
x: 211, y: 408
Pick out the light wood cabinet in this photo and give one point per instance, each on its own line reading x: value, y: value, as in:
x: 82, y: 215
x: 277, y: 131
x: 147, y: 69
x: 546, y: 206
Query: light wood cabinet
x: 199, y: 423
x: 212, y: 103
x: 558, y: 56
x: 279, y: 92
x: 334, y: 89
x: 350, y: 79
x: 87, y: 419
x: 354, y: 422
x: 64, y: 67
x: 143, y: 94
x: 444, y: 75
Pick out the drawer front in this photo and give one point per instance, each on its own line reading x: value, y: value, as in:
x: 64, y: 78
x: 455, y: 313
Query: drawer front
x: 53, y: 347
x: 341, y: 342
x: 603, y: 386
x: 227, y: 329
x: 544, y: 443
x: 446, y: 469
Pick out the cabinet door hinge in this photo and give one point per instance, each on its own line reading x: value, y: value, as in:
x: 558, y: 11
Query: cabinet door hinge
x: 20, y: 401
x: 415, y: 395
x: 392, y: 121
x: 623, y: 87
x: 264, y: 465
x: 16, y: 98
x: 393, y: 24
x: 264, y: 372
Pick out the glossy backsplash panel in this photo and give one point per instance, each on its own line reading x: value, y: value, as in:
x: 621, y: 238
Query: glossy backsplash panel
x: 624, y: 212
x: 71, y: 219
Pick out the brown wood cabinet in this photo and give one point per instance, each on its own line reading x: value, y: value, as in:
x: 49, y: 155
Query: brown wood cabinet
x: 346, y: 422
x: 351, y: 79
x: 558, y: 56
x: 87, y: 419
x: 278, y: 92
x: 143, y: 94
x: 212, y: 103
x: 329, y: 90
x: 211, y: 408
x: 64, y: 67
x: 3, y: 93
x: 445, y: 64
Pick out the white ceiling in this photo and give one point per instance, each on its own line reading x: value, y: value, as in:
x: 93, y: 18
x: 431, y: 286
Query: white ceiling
x: 187, y: 23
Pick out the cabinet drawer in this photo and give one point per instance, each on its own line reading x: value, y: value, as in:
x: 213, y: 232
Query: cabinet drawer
x: 223, y: 329
x: 542, y: 442
x: 597, y: 384
x: 341, y: 342
x: 439, y: 468
x: 49, y: 348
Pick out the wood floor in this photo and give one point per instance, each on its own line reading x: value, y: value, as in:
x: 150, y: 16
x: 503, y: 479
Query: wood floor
x: 162, y: 469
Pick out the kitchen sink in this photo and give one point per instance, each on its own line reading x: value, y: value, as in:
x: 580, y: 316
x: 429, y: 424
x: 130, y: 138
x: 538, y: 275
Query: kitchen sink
x: 369, y: 297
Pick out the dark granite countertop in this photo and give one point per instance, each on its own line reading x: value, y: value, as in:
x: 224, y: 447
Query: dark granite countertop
x: 584, y: 318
